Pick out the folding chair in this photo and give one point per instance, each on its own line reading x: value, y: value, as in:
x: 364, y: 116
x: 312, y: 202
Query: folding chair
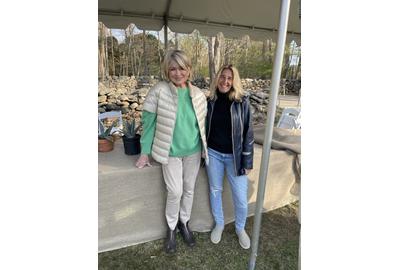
x: 290, y: 119
x: 111, y: 116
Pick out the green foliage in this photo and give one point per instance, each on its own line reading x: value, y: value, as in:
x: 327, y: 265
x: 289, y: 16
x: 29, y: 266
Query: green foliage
x: 203, y: 72
x: 251, y: 63
x: 129, y: 129
x: 153, y: 61
x: 129, y: 55
x: 196, y: 48
x: 105, y: 133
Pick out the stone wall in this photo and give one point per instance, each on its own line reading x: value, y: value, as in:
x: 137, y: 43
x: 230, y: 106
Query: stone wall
x: 127, y: 95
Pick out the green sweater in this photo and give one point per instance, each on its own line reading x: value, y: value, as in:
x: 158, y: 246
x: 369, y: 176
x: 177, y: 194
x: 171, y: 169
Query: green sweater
x: 186, y: 137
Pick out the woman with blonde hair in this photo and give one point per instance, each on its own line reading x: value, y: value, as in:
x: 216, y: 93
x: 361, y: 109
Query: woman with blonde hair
x: 230, y: 148
x: 174, y: 133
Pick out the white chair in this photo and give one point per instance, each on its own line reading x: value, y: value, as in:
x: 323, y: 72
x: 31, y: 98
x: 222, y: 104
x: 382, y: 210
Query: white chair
x: 111, y: 116
x: 290, y: 119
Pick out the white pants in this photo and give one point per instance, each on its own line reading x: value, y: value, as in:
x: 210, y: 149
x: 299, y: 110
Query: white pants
x: 180, y: 178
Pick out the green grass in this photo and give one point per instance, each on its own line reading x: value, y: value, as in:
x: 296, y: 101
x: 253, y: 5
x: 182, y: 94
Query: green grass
x: 277, y: 249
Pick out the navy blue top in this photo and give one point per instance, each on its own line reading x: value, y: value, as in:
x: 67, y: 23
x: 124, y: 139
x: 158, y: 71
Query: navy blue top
x: 220, y: 138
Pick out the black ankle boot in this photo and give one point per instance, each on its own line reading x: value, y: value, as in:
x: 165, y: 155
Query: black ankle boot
x: 170, y: 242
x: 186, y: 233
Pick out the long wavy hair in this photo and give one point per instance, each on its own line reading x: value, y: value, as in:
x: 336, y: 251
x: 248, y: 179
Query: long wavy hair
x: 236, y: 92
x: 181, y: 58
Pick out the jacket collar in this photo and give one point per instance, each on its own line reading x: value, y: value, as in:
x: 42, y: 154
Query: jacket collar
x: 174, y: 89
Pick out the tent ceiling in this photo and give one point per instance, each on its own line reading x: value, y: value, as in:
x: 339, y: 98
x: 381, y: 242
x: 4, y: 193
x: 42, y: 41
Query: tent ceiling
x: 235, y: 18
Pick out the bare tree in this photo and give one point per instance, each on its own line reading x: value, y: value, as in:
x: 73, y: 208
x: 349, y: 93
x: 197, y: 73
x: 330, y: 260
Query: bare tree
x: 146, y: 67
x: 176, y: 41
x: 101, y: 54
x: 297, y: 67
x: 112, y: 55
x: 288, y: 52
x: 159, y: 51
x: 135, y: 60
x: 214, y: 53
x: 231, y: 46
x: 132, y: 38
x: 196, y: 52
x: 211, y: 65
x: 264, y: 53
x: 107, y: 72
x: 128, y: 51
x: 270, y: 53
x: 247, y: 44
x: 267, y: 50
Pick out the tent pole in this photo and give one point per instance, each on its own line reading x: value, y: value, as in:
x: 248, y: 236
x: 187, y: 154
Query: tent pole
x: 166, y: 15
x: 276, y: 74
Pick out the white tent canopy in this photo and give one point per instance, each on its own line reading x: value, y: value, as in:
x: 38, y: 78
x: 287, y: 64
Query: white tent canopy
x: 235, y: 18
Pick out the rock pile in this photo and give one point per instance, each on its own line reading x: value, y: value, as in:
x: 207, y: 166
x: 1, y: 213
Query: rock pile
x: 121, y: 94
x: 291, y: 87
x: 202, y: 83
x: 255, y: 84
x: 127, y: 94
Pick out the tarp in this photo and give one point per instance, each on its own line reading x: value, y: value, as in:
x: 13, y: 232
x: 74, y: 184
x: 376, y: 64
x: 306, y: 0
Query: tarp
x: 132, y: 201
x: 235, y: 18
x: 282, y: 139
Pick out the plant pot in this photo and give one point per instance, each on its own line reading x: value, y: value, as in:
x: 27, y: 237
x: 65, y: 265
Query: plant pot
x: 132, y: 145
x: 105, y: 145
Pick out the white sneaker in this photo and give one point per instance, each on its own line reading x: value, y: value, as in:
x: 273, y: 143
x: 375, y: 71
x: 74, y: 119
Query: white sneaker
x: 244, y: 239
x: 216, y: 234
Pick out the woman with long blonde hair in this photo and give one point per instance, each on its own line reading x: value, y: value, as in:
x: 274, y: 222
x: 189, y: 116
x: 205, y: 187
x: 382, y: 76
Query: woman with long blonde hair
x: 230, y: 148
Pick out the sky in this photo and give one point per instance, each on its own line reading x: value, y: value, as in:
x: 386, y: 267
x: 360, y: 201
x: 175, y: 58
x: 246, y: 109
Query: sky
x: 119, y: 33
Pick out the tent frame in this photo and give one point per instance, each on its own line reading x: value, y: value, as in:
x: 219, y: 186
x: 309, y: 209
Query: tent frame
x: 165, y: 17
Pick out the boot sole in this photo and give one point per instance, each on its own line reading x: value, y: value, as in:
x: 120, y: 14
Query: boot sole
x: 244, y: 246
x: 183, y: 238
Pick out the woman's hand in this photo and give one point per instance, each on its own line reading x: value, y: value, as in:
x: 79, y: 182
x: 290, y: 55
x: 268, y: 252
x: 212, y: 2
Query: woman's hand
x: 247, y: 171
x: 143, y: 161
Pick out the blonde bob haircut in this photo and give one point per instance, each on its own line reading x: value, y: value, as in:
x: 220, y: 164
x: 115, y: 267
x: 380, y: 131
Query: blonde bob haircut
x: 178, y: 57
x: 236, y: 93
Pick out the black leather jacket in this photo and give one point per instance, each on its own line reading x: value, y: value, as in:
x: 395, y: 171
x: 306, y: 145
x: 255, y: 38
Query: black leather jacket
x: 242, y: 133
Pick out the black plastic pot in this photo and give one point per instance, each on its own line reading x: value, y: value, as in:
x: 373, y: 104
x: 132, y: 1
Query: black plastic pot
x: 132, y: 145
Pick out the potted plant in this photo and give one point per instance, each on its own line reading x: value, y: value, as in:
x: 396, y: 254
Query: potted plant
x: 106, y: 140
x: 131, y: 139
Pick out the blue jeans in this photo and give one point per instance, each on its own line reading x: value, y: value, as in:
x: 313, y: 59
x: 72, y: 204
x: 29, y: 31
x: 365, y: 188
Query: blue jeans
x: 218, y: 163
